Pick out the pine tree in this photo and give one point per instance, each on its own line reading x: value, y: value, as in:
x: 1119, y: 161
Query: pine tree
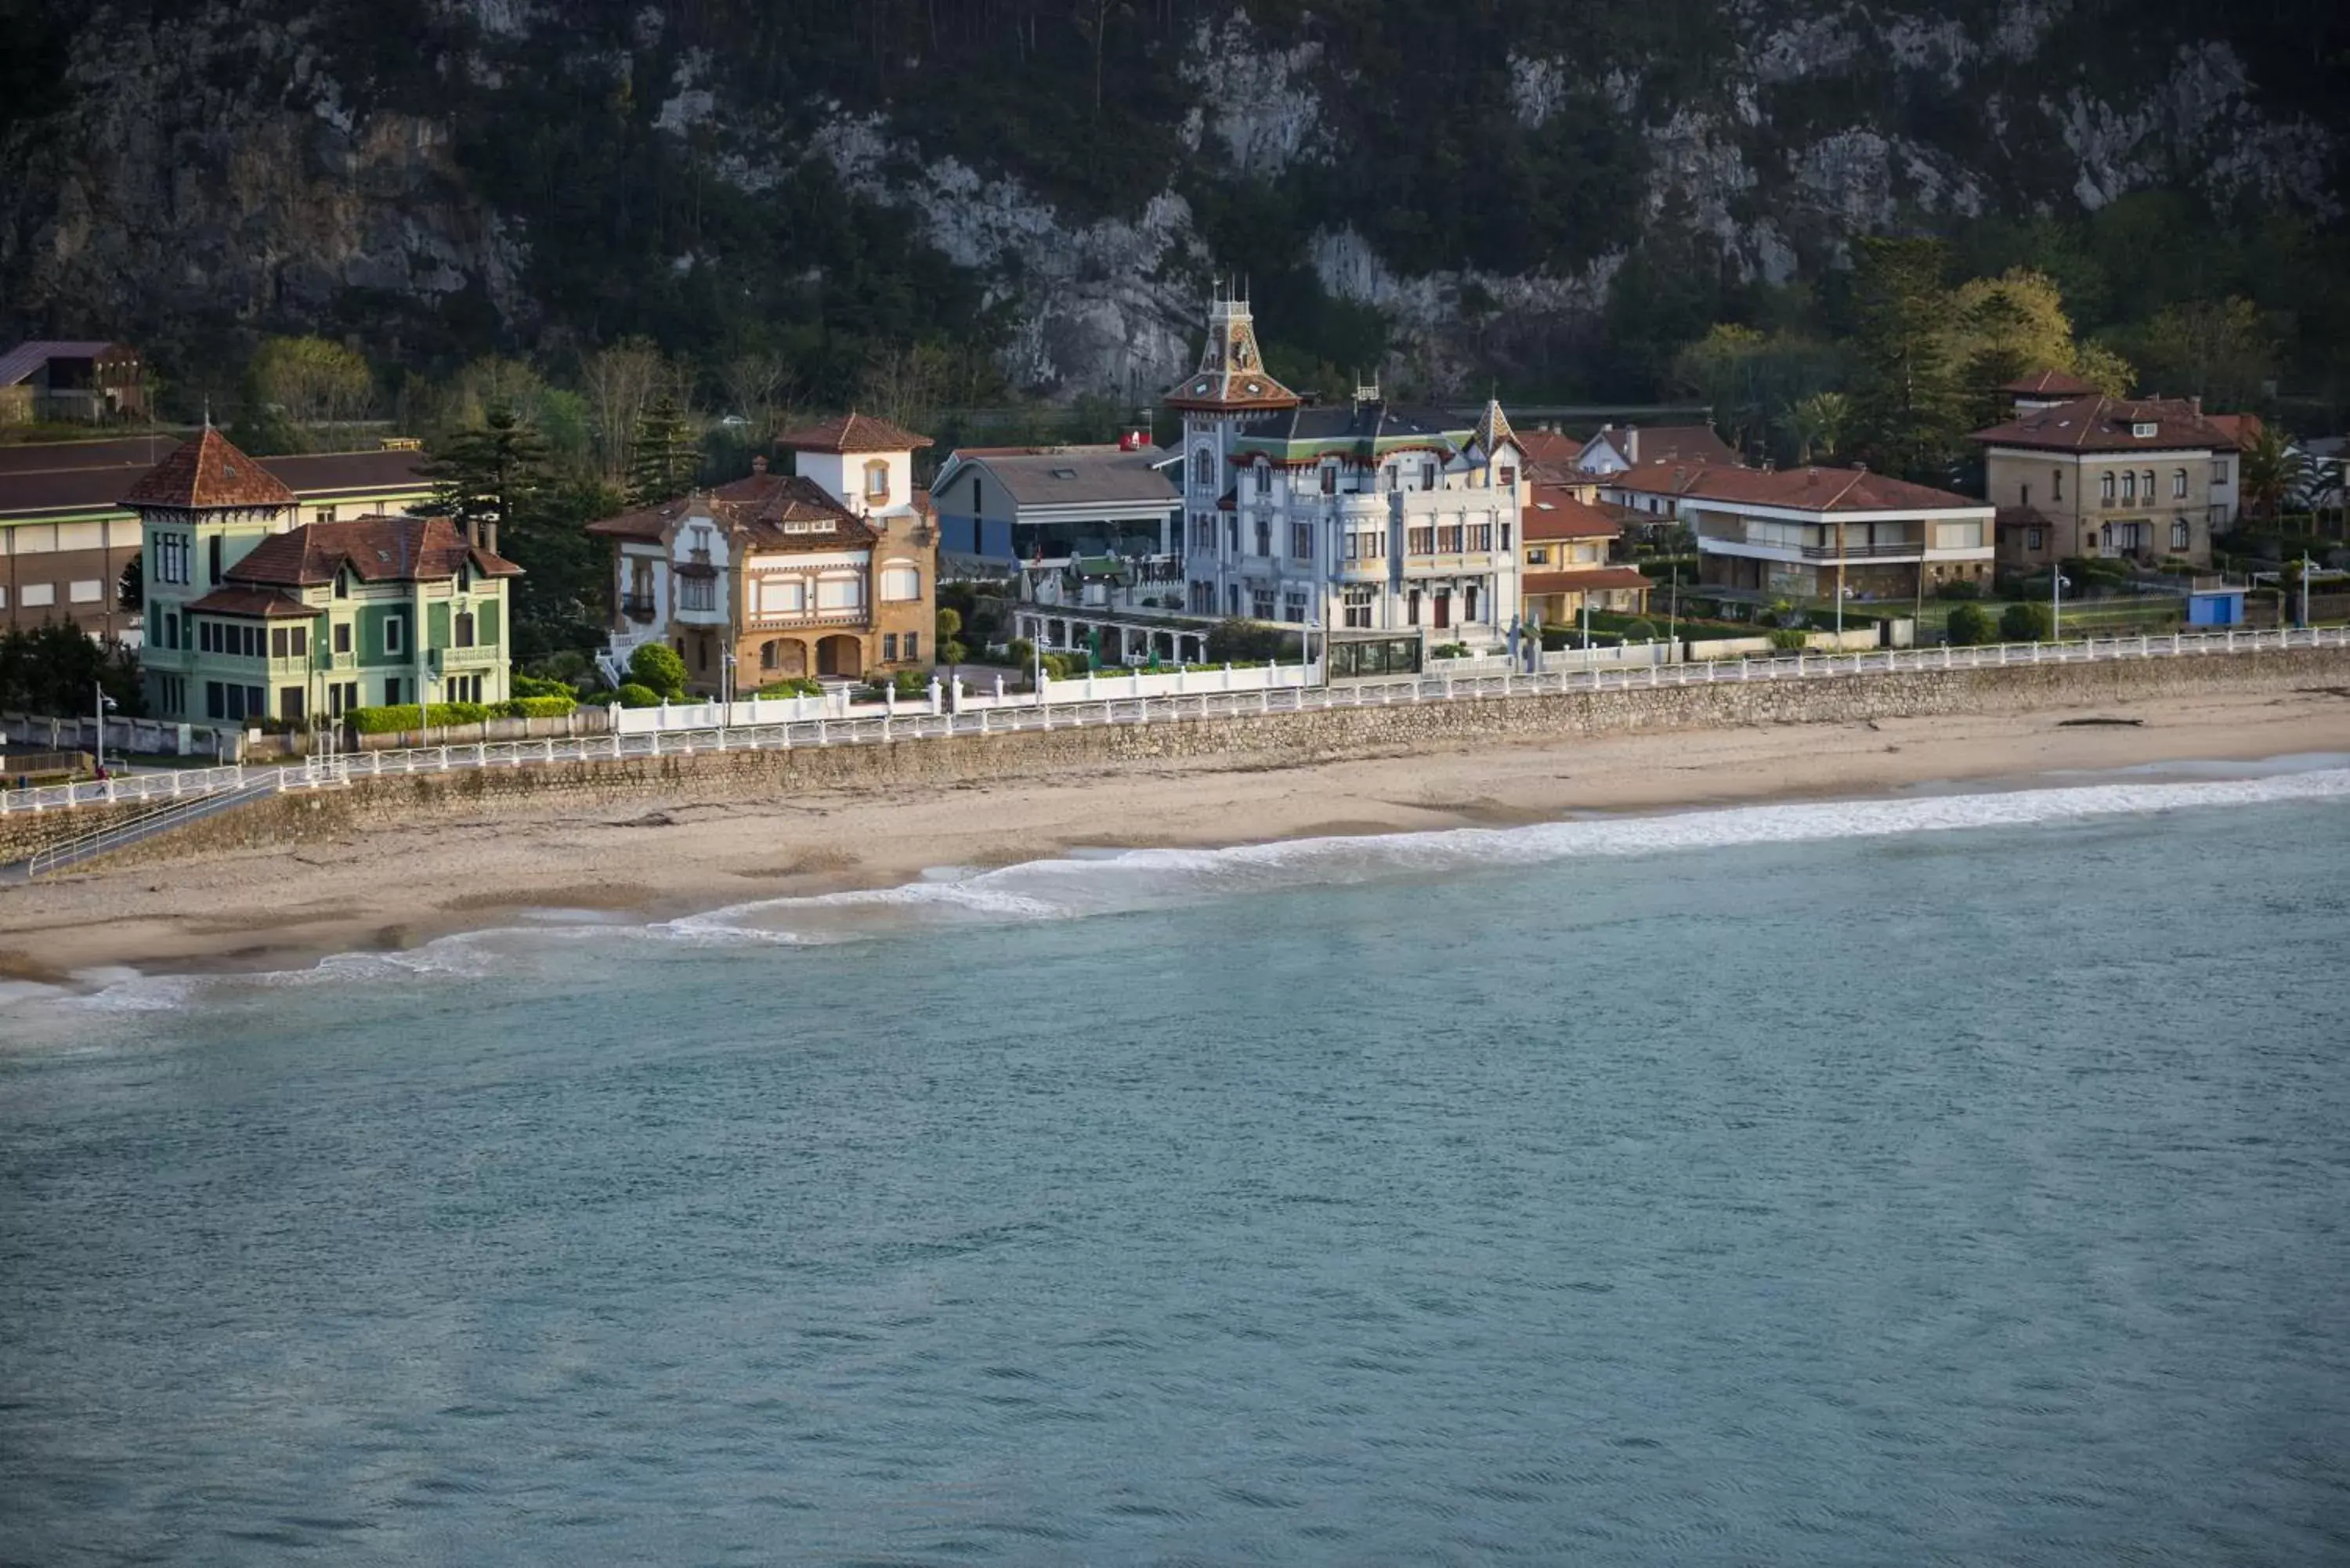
x: 488, y: 472
x: 666, y: 459
x: 1909, y: 409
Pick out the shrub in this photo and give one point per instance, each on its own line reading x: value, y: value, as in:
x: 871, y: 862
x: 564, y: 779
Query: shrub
x: 1957, y: 589
x: 1790, y: 638
x: 540, y: 707
x: 659, y: 670
x: 1640, y: 632
x: 798, y: 686
x: 1022, y: 652
x: 1968, y: 624
x: 949, y: 626
x: 1448, y: 651
x: 636, y: 694
x: 953, y: 651
x: 539, y: 686
x: 906, y: 682
x: 2024, y: 622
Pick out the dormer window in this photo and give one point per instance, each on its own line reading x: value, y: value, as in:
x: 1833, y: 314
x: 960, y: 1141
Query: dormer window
x: 2144, y: 430
x: 876, y: 481
x: 343, y: 583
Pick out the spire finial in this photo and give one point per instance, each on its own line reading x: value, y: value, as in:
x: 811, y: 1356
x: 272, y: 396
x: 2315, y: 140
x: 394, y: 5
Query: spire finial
x: 208, y: 411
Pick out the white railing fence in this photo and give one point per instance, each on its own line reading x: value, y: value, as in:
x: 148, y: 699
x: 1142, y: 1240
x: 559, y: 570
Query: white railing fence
x: 915, y: 720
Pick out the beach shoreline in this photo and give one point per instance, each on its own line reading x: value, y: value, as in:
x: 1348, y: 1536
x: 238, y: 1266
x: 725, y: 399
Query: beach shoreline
x: 670, y: 855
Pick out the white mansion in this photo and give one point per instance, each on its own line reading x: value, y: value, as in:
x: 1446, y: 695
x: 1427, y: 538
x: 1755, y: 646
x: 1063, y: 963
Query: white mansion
x: 1367, y: 517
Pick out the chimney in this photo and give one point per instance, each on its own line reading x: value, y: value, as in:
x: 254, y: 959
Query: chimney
x: 489, y: 535
x: 759, y: 464
x: 1632, y: 443
x: 2196, y: 403
x: 474, y: 531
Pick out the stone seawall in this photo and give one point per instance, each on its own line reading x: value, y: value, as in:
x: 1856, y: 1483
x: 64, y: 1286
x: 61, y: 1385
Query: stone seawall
x: 1267, y: 741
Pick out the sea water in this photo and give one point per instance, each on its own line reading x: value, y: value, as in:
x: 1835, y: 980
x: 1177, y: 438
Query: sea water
x: 1960, y: 1178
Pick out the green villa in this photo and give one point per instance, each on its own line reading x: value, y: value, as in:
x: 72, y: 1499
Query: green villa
x: 253, y: 617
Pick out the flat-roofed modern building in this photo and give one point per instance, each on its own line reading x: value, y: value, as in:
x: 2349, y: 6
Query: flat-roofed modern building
x: 66, y: 539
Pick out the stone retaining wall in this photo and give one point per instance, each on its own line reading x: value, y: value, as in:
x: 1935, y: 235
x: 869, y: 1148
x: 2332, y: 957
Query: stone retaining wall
x: 1257, y: 740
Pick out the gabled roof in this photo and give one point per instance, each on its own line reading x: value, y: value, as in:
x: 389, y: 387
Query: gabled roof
x: 2108, y: 425
x: 854, y: 432
x: 1794, y: 489
x: 208, y: 472
x: 26, y: 358
x: 1556, y: 513
x: 230, y: 598
x: 1584, y: 579
x: 1493, y: 428
x: 2241, y: 430
x: 1080, y: 475
x: 376, y: 549
x: 2050, y: 384
x: 1684, y: 444
x: 760, y: 508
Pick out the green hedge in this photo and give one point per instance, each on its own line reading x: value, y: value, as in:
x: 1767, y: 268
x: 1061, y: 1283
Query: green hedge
x: 543, y: 707
x: 798, y: 686
x: 391, y: 720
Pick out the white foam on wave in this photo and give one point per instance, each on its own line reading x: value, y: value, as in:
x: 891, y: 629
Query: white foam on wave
x: 1095, y: 882
x: 1076, y: 886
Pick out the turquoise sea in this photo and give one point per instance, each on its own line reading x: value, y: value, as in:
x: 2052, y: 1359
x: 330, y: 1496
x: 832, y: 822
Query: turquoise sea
x: 1957, y: 1179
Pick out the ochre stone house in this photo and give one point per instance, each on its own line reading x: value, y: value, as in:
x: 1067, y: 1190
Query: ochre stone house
x: 831, y: 572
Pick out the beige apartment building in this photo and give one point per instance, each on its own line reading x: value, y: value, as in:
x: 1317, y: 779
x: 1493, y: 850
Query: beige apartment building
x: 2146, y: 480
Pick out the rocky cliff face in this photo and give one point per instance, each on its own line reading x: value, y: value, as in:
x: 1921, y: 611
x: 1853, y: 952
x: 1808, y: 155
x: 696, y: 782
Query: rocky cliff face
x: 220, y: 166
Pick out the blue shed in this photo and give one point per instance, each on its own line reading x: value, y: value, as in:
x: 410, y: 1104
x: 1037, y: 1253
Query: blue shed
x: 2215, y: 607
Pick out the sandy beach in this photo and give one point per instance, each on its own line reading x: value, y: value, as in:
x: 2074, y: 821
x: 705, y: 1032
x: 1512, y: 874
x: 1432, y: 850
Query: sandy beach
x: 663, y: 857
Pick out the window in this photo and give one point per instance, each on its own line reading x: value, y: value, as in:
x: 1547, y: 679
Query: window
x: 395, y: 629
x: 343, y: 637
x: 1203, y: 469
x: 2057, y: 478
x: 2129, y: 487
x: 35, y: 594
x: 2035, y: 538
x: 782, y: 595
x: 913, y: 645
x: 1420, y: 541
x: 465, y: 628
x: 2023, y: 495
x: 212, y: 560
x: 1264, y: 479
x: 2105, y: 487
x: 2181, y: 535
x: 171, y: 631
x: 1481, y: 535
x: 289, y: 704
x: 1505, y: 535
x: 1357, y: 608
x: 215, y: 700
x: 2150, y: 486
x: 701, y: 654
x: 1293, y: 608
x: 889, y: 647
x: 391, y: 691
x: 2144, y: 430
x: 900, y: 583
x: 171, y: 557
x: 172, y: 692
x: 2179, y: 485
x: 840, y: 593
x: 281, y: 642
x: 1537, y: 556
x: 1232, y: 599
x: 1260, y: 603
x: 1428, y: 475
x: 1301, y: 541
x: 1263, y: 537
x: 343, y: 585
x: 2219, y: 470
x: 1509, y: 479
x: 697, y: 593
x: 322, y: 515
x: 1448, y: 539
x: 876, y: 481
x: 1232, y: 535
x: 1329, y: 480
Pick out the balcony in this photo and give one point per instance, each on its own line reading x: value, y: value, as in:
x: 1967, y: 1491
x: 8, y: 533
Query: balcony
x: 783, y: 620
x: 638, y: 607
x: 475, y: 658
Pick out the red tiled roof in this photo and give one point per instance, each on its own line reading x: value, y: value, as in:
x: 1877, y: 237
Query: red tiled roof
x: 231, y: 599
x: 1548, y: 446
x: 377, y: 549
x: 2105, y: 424
x: 2050, y: 384
x: 1797, y: 489
x: 209, y: 472
x: 853, y: 433
x: 1687, y: 444
x: 1589, y: 579
x: 2241, y: 430
x: 1557, y: 513
x: 759, y: 507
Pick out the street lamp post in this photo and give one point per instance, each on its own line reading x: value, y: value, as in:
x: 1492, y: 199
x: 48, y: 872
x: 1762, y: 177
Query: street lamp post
x: 105, y: 702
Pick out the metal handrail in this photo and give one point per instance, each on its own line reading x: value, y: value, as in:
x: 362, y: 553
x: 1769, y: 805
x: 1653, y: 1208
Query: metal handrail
x: 1087, y: 712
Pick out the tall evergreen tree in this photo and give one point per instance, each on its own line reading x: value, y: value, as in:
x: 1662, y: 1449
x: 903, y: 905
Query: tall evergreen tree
x: 666, y: 459
x: 488, y: 472
x: 1908, y: 408
x: 498, y: 471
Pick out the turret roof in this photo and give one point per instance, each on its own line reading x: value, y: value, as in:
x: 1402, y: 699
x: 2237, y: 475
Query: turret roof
x: 207, y: 471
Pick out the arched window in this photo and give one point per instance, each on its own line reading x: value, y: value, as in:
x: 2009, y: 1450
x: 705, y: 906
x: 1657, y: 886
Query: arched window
x: 900, y: 581
x: 1204, y: 468
x: 2149, y: 487
x: 877, y: 480
x: 2179, y: 485
x: 2105, y: 487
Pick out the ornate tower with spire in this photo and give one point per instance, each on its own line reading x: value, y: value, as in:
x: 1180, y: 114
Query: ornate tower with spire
x: 1230, y: 387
